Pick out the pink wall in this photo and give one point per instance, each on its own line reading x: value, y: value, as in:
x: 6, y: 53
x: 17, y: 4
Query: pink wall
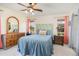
x: 28, y: 25
x: 0, y: 34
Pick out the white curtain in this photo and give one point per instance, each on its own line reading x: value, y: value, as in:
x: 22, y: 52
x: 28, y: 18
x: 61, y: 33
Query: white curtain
x: 74, y: 33
x: 77, y: 45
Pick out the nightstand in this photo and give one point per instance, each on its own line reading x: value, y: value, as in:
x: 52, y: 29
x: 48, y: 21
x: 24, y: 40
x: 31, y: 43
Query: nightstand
x: 58, y: 40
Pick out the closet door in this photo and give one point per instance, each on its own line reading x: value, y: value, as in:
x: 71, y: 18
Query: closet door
x: 0, y: 34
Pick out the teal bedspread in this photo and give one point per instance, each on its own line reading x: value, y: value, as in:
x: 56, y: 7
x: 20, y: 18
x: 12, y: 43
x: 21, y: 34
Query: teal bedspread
x: 35, y: 45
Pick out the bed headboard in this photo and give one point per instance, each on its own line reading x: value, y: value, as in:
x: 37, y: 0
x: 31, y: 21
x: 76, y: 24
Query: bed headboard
x: 44, y: 26
x: 48, y: 27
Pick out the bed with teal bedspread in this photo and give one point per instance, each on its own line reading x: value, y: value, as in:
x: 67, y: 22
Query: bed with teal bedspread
x: 35, y: 45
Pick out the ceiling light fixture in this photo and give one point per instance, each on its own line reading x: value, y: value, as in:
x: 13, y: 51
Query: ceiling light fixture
x: 33, y: 13
x: 26, y: 11
x: 31, y: 10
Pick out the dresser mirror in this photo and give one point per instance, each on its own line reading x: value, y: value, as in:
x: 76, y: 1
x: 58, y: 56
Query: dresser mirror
x: 12, y: 24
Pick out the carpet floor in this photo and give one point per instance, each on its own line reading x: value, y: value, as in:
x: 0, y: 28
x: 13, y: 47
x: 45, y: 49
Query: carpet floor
x: 58, y: 51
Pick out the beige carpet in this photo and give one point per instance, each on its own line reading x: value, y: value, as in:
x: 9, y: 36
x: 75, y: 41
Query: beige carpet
x: 58, y: 51
x: 63, y: 51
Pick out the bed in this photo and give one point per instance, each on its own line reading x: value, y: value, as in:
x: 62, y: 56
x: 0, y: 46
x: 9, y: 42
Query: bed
x: 39, y: 44
x: 35, y: 45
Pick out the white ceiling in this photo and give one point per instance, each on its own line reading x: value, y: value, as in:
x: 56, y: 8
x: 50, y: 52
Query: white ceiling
x: 48, y: 8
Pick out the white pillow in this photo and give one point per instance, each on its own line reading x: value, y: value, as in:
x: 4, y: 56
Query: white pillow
x: 42, y: 32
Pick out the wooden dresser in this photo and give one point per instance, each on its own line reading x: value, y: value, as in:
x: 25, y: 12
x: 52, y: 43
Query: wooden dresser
x: 58, y: 40
x: 11, y: 39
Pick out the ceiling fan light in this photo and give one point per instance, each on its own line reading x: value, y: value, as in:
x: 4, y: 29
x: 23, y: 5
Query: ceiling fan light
x: 26, y: 11
x: 33, y: 13
x: 31, y: 10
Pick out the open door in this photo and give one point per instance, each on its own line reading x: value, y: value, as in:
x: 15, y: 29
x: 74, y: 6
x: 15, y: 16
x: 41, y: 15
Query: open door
x: 0, y: 34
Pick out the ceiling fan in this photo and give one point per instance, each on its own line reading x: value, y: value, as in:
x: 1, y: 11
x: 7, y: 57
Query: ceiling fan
x: 31, y: 7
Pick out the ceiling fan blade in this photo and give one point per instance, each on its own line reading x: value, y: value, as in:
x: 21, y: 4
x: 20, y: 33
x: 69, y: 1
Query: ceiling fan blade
x: 23, y: 10
x: 29, y: 6
x: 1, y: 10
x: 38, y: 10
x: 22, y: 4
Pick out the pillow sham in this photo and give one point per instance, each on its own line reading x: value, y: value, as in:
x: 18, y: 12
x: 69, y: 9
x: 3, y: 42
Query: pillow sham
x: 42, y: 32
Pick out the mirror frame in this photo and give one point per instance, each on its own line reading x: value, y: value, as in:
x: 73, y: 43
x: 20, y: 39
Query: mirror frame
x: 7, y: 28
